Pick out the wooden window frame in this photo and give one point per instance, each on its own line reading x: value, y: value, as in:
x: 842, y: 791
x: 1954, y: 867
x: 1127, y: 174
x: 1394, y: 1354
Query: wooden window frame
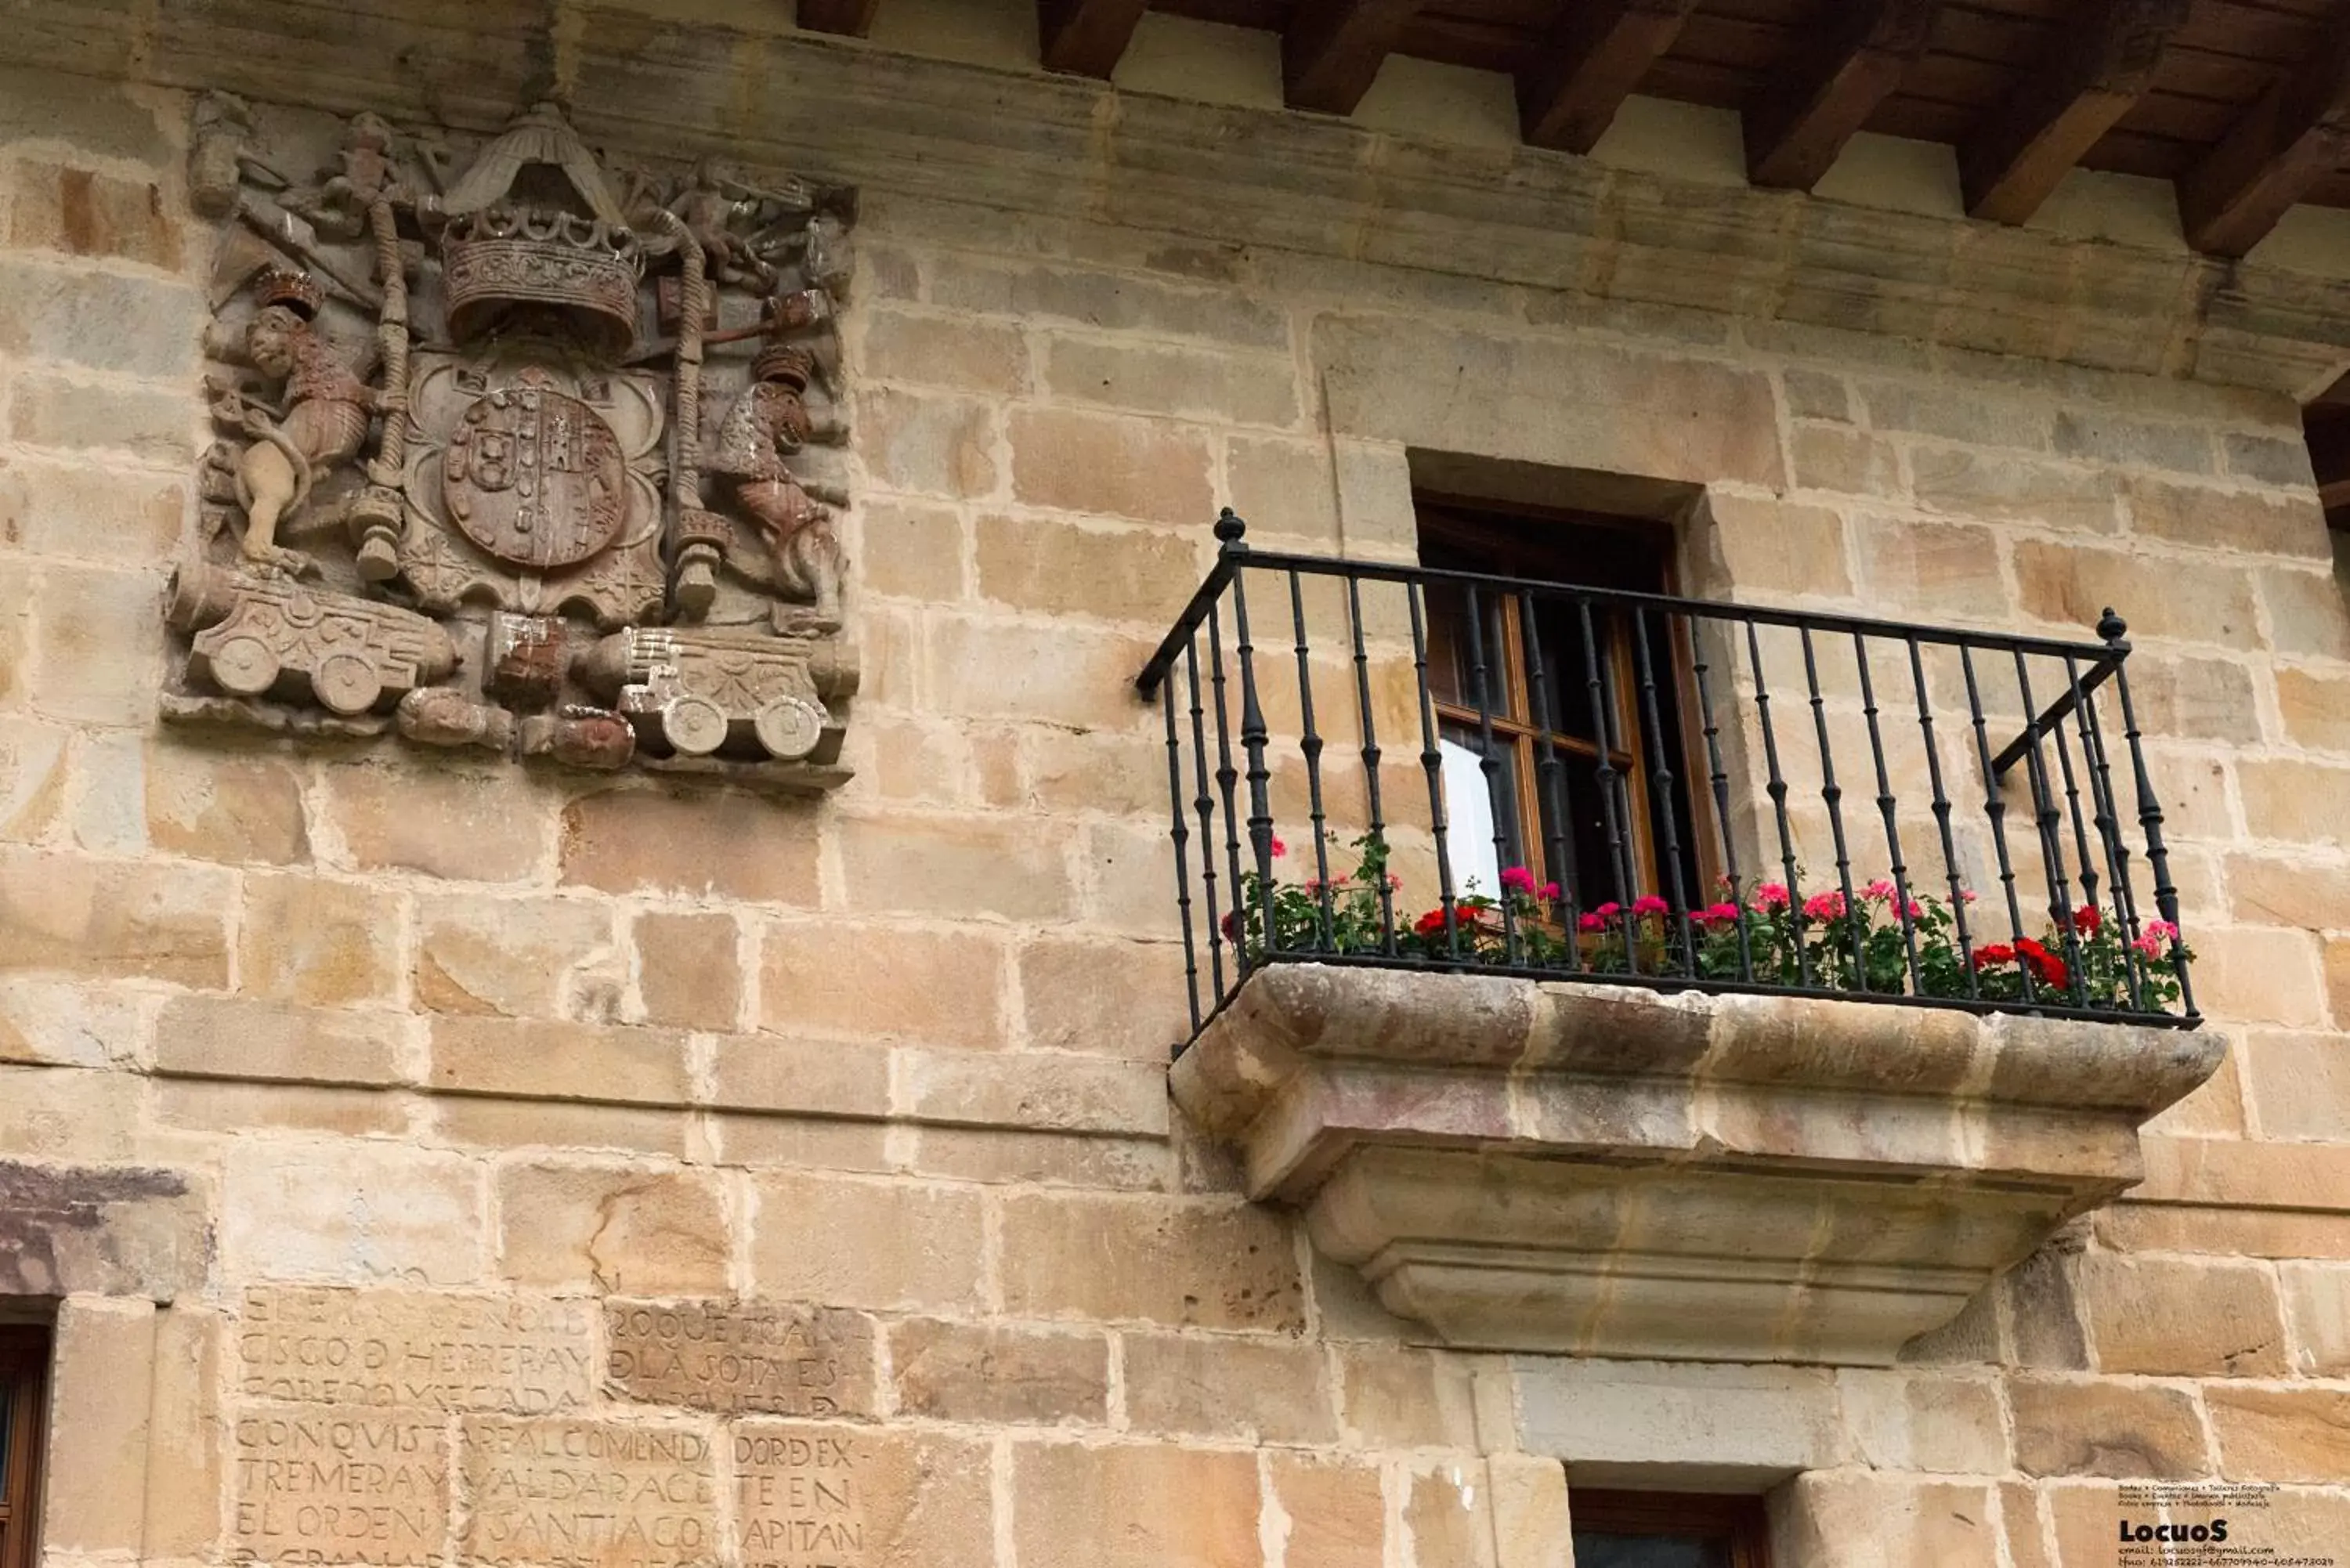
x: 1514, y: 723
x: 24, y: 1376
x: 1737, y: 1519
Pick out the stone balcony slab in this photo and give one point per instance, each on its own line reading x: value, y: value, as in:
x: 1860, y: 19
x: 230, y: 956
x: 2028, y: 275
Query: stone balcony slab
x: 1607, y: 1170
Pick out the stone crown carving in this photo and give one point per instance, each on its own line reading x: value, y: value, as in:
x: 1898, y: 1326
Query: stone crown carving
x: 1606, y: 1172
x: 467, y: 488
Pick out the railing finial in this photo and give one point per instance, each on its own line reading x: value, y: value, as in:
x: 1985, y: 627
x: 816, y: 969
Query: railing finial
x: 1229, y: 528
x: 2113, y: 629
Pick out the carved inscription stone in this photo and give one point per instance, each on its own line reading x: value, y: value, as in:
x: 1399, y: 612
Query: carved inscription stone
x: 735, y: 1356
x: 330, y: 1484
x: 847, y: 1497
x: 589, y: 1494
x: 416, y: 1350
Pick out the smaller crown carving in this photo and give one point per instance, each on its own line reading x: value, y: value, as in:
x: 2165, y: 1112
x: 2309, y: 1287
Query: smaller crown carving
x: 782, y: 362
x: 291, y: 287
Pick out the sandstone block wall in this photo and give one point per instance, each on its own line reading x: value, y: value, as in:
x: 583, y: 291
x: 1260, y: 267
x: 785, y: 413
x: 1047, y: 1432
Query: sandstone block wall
x: 654, y: 1175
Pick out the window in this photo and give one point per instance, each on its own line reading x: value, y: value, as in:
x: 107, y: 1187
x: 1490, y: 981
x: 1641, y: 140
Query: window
x: 24, y: 1373
x: 1584, y: 701
x: 1667, y: 1530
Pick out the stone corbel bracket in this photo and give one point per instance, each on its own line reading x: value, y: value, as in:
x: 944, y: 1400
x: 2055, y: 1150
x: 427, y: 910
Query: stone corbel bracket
x: 1607, y: 1171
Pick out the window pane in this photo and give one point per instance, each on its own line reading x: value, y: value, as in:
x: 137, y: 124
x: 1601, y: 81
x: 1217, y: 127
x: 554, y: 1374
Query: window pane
x: 1565, y: 671
x: 1595, y: 879
x: 8, y: 1397
x: 1451, y: 664
x: 1469, y: 810
x: 1598, y: 1549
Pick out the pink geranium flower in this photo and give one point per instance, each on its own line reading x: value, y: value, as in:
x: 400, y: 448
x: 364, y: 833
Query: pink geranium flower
x: 1609, y: 910
x: 1591, y: 922
x: 1650, y: 905
x: 1880, y: 891
x: 1547, y: 891
x: 1772, y: 896
x: 1279, y: 848
x: 1825, y: 906
x: 1718, y: 915
x: 1518, y: 879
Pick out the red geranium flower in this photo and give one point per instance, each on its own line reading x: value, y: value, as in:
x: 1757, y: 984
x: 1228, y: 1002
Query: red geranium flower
x: 1429, y: 923
x: 1994, y: 952
x: 2050, y: 969
x: 2085, y: 920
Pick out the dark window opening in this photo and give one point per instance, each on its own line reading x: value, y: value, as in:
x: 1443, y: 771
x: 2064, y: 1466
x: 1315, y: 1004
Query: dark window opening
x: 2326, y: 424
x: 1667, y: 1530
x: 1583, y: 704
x: 23, y: 1419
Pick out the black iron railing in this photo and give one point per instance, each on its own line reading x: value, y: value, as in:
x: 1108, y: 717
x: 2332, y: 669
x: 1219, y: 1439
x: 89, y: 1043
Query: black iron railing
x: 1373, y: 763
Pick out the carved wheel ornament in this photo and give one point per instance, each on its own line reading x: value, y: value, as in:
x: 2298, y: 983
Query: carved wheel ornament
x: 511, y: 461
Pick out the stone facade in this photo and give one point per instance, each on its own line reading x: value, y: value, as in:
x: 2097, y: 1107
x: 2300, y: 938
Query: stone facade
x: 441, y: 1161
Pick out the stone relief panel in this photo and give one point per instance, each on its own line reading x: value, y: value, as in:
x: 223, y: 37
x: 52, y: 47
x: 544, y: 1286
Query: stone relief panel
x: 520, y: 448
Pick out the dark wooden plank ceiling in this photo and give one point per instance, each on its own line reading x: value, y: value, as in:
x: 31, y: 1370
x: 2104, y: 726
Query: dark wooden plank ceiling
x: 2245, y: 103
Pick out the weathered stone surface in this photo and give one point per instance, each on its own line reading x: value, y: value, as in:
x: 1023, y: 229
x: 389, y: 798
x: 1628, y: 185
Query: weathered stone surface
x: 114, y: 1231
x: 1218, y: 385
x: 603, y: 1492
x: 822, y: 1494
x: 830, y: 977
x: 1000, y: 1374
x: 1110, y: 464
x: 1132, y: 1507
x: 102, y: 1371
x: 647, y: 1233
x: 2124, y: 1430
x: 484, y: 828
x: 763, y: 1073
x: 515, y: 958
x: 110, y: 917
x: 2180, y: 1318
x: 2315, y: 707
x: 1970, y: 483
x: 1332, y: 1513
x: 727, y: 843
x: 1773, y: 546
x: 1932, y: 568
x: 1721, y: 1428
x: 84, y: 213
x: 1855, y: 1520
x: 1445, y: 1517
x: 2317, y: 1310
x: 1041, y: 1090
x: 1254, y: 1389
x: 2280, y: 1434
x: 689, y: 973
x: 545, y: 1060
x: 1134, y: 575
x: 224, y: 1037
x: 417, y: 1350
x: 1911, y: 1421
x: 927, y: 444
x: 327, y: 1481
x: 737, y: 1356
x: 2070, y: 586
x: 362, y: 1213
x: 866, y: 1243
x: 1391, y: 1398
x: 912, y: 551
x: 2227, y: 520
x: 954, y: 866
x: 304, y: 939
x: 59, y: 1023
x: 2307, y: 803
x: 1128, y: 1258
x: 232, y: 808
x: 945, y: 350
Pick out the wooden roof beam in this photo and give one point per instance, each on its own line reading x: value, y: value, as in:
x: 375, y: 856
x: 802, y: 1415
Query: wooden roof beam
x: 2101, y: 65
x: 854, y: 18
x: 2296, y: 135
x: 1854, y: 64
x: 1086, y: 37
x: 1569, y: 98
x: 1333, y: 48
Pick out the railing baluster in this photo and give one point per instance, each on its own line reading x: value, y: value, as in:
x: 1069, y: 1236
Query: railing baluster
x: 1253, y: 743
x: 1490, y: 764
x: 1378, y: 832
x: 1310, y: 743
x: 1182, y: 836
x: 1660, y: 791
x: 1721, y: 780
x: 1431, y: 761
x: 1228, y: 778
x: 1206, y: 804
x: 1995, y: 809
x: 1603, y: 731
x: 1776, y: 788
x: 2109, y: 833
x: 1943, y: 819
x: 2050, y: 824
x: 1885, y: 805
x: 2115, y: 632
x: 1832, y: 794
x: 2087, y: 860
x: 1560, y: 841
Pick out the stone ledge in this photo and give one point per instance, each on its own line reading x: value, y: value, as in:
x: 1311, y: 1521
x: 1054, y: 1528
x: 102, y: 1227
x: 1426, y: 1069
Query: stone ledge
x: 1605, y: 1171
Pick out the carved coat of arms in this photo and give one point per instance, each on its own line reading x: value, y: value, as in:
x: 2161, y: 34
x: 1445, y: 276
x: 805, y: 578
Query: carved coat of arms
x: 467, y: 490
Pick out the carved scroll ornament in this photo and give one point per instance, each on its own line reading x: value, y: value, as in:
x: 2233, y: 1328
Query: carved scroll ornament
x: 465, y: 490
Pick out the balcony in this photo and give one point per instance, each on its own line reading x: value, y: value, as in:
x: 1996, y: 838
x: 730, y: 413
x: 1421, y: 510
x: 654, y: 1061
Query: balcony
x: 1611, y: 974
